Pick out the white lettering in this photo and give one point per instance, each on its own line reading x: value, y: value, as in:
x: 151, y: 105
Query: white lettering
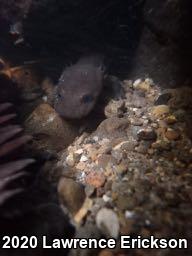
x: 125, y: 242
x: 45, y: 243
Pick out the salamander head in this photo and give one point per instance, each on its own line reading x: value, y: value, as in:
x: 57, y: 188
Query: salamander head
x: 78, y: 89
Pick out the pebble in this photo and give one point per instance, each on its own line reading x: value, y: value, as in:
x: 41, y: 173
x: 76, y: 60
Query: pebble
x: 163, y: 99
x: 49, y: 130
x: 81, y: 166
x: 172, y: 134
x: 129, y: 214
x: 115, y: 108
x: 107, y: 221
x: 80, y: 215
x: 106, y: 198
x: 103, y: 160
x: 160, y: 110
x: 79, y: 151
x: 83, y: 158
x: 104, y: 149
x: 96, y: 138
x: 136, y: 122
x: 112, y: 125
x: 123, y: 144
x: 95, y: 179
x: 143, y: 148
x: 144, y: 86
x: 89, y: 190
x: 171, y: 119
x: 71, y: 194
x: 70, y: 160
x: 136, y: 83
x: 147, y: 134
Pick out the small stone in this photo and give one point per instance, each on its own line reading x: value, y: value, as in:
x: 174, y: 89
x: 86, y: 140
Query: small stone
x: 93, y: 153
x: 144, y: 86
x: 120, y: 145
x: 121, y: 168
x: 123, y: 203
x: 136, y: 83
x: 103, y: 160
x: 95, y: 179
x: 163, y: 99
x: 107, y: 221
x: 83, y: 158
x: 112, y: 125
x: 79, y: 151
x: 104, y: 142
x: 136, y: 122
x: 147, y: 134
x: 129, y: 214
x: 134, y: 101
x: 117, y: 155
x: 143, y: 148
x: 145, y: 122
x: 100, y: 192
x: 154, y: 125
x: 81, y: 166
x: 71, y: 194
x: 160, y: 110
x: 80, y: 215
x: 171, y: 119
x: 70, y: 160
x: 108, y: 185
x: 149, y: 81
x: 96, y: 138
x: 150, y: 151
x: 179, y: 164
x: 89, y: 190
x: 161, y: 145
x: 45, y: 98
x: 106, y: 198
x: 104, y: 149
x: 49, y: 130
x: 115, y: 108
x: 171, y: 134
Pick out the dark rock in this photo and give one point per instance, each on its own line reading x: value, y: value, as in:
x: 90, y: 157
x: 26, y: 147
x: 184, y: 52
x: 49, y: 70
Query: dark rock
x: 147, y: 134
x: 163, y: 99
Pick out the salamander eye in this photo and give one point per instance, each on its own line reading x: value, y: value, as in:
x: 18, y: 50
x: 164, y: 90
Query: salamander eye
x: 87, y: 98
x: 59, y: 95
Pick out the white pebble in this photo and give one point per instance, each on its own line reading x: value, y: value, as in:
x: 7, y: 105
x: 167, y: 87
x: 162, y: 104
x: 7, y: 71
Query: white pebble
x: 83, y: 158
x: 106, y: 199
x: 79, y: 151
x: 96, y: 138
x: 129, y: 214
x: 137, y: 82
x: 45, y: 98
x: 107, y: 221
